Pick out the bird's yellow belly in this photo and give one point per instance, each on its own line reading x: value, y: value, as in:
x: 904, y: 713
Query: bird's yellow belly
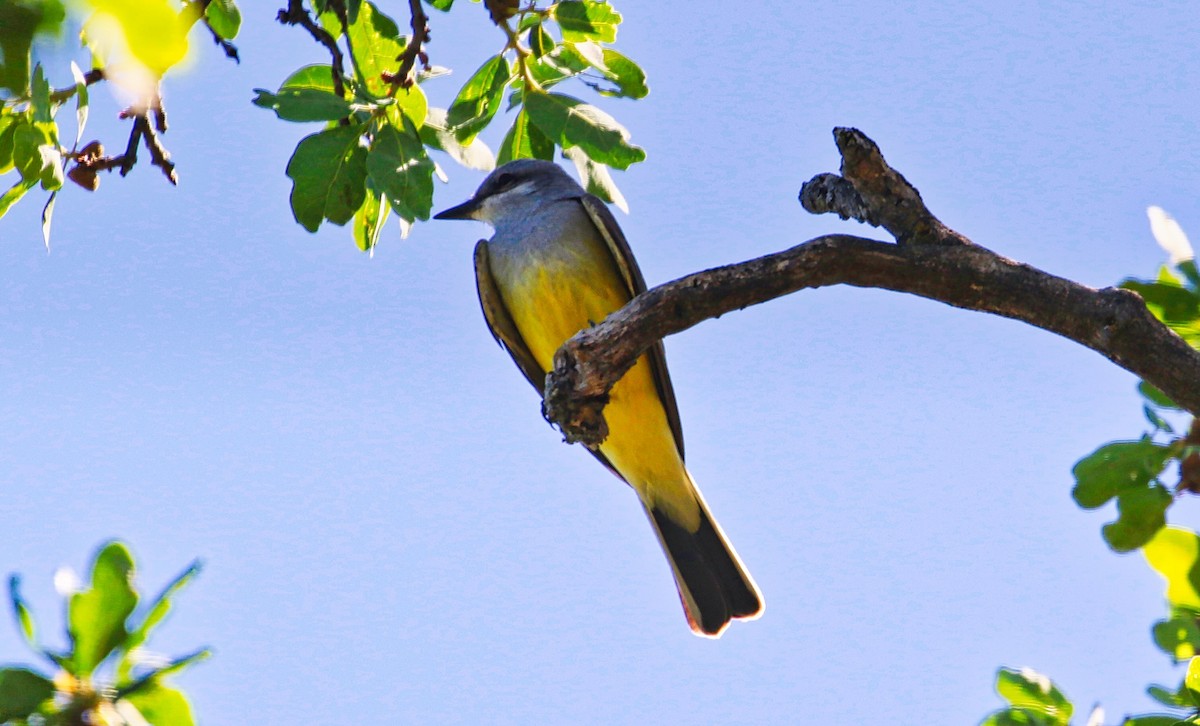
x: 549, y: 304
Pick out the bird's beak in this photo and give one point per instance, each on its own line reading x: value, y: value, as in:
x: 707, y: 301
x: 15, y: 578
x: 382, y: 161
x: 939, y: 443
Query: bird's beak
x: 466, y: 210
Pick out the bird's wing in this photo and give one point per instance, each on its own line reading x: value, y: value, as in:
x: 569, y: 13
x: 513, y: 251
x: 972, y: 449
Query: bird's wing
x: 623, y: 256
x: 504, y: 330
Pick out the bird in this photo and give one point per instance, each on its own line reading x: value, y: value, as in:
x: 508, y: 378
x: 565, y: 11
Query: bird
x: 557, y: 263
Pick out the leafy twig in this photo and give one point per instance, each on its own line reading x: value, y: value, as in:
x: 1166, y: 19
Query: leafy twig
x: 419, y: 22
x: 296, y: 14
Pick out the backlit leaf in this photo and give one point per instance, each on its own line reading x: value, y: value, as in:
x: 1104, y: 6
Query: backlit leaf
x: 96, y: 616
x: 571, y: 122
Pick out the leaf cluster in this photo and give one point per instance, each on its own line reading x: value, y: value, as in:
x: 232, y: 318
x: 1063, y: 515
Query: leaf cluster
x: 372, y: 157
x: 105, y: 675
x: 152, y: 33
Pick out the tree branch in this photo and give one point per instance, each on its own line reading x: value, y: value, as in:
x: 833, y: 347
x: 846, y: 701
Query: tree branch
x: 296, y: 14
x: 419, y: 22
x: 929, y: 260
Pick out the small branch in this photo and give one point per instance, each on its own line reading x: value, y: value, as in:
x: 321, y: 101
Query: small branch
x: 419, y: 22
x: 95, y: 75
x: 91, y: 159
x: 295, y: 14
x: 936, y: 263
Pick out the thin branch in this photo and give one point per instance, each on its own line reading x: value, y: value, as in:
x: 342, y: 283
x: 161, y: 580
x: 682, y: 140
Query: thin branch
x: 95, y: 75
x: 934, y: 262
x: 419, y: 22
x: 295, y: 14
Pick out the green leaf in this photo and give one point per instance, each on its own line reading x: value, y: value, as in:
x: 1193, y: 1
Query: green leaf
x: 1175, y: 699
x: 596, y: 178
x: 442, y: 5
x: 96, y: 616
x: 40, y: 107
x: 163, y: 705
x: 1190, y: 273
x: 524, y: 141
x: 318, y: 77
x: 1158, y: 422
x: 14, y: 194
x: 1141, y: 513
x: 436, y: 134
x: 81, y: 101
x: 329, y: 174
x: 479, y: 99
x: 47, y: 216
x: 303, y: 104
x: 22, y: 612
x: 1173, y: 304
x: 1029, y: 690
x: 1149, y: 392
x: 155, y: 677
x: 1178, y: 637
x: 1191, y: 681
x: 558, y: 65
x: 20, y: 22
x: 377, y: 43
x: 540, y: 42
x: 224, y: 18
x: 369, y: 221
x: 402, y: 171
x: 36, y: 154
x: 628, y: 78
x: 586, y: 20
x: 1016, y: 717
x: 571, y: 122
x: 1152, y: 719
x: 1174, y: 553
x: 8, y: 127
x: 158, y: 610
x: 22, y: 692
x: 1116, y: 467
x: 410, y: 102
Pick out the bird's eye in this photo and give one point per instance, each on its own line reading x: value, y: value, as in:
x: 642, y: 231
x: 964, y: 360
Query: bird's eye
x: 505, y: 180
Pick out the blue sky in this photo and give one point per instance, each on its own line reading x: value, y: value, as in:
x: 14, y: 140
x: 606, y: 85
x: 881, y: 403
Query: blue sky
x: 393, y: 534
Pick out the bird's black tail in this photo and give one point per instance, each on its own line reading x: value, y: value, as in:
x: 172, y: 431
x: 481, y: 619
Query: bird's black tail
x: 713, y: 584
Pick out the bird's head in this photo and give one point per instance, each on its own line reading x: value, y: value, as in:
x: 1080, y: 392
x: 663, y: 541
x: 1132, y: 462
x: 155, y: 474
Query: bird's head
x: 513, y: 189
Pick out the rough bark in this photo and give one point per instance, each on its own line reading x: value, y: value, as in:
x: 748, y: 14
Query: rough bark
x: 928, y: 259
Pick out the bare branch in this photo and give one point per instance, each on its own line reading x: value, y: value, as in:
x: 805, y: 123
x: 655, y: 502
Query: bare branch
x: 419, y: 22
x: 934, y: 262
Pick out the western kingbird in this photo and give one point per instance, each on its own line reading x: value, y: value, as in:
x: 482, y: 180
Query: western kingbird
x: 557, y: 264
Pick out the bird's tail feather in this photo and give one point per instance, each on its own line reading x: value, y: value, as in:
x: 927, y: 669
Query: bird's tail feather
x: 713, y: 583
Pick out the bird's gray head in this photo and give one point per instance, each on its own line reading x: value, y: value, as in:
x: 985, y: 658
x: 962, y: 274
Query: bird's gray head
x: 516, y: 188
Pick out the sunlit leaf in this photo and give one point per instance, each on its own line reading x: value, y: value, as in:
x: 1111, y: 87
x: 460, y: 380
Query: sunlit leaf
x: 224, y: 18
x: 586, y: 20
x: 479, y: 99
x: 524, y: 141
x: 162, y: 704
x: 437, y: 134
x: 1173, y: 554
x: 20, y: 22
x: 571, y: 122
x: 369, y: 220
x: 153, y: 32
x: 1029, y: 690
x: 377, y: 42
x: 96, y: 617
x: 154, y: 615
x: 81, y: 101
x: 329, y: 174
x: 596, y: 178
x: 1179, y: 636
x: 22, y: 612
x: 14, y: 194
x: 401, y: 170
